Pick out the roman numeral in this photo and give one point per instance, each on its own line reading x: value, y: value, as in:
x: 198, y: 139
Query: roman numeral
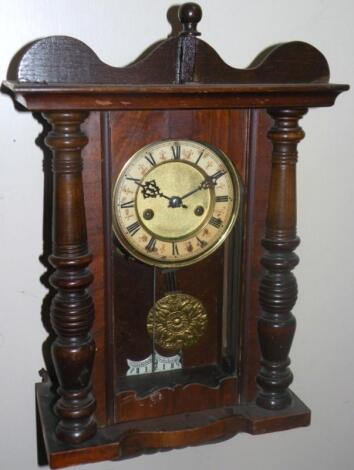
x: 127, y: 205
x: 200, y: 156
x: 151, y: 245
x: 215, y: 222
x: 221, y: 198
x: 174, y: 249
x: 201, y: 243
x: 149, y: 157
x: 133, y: 228
x: 176, y: 150
x: 136, y: 180
x: 218, y: 174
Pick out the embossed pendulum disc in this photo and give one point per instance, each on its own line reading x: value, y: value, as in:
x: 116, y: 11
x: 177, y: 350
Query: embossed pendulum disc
x: 177, y: 321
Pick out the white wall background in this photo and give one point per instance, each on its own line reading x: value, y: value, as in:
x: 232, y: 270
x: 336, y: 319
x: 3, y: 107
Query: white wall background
x: 323, y: 350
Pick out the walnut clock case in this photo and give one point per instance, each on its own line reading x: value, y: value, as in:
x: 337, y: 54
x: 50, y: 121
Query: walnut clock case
x: 174, y: 230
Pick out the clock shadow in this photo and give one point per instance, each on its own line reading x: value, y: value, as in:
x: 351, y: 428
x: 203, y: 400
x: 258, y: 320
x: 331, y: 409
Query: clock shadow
x: 49, y: 372
x: 47, y: 245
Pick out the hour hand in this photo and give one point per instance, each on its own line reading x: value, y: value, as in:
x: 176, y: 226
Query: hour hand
x: 150, y: 189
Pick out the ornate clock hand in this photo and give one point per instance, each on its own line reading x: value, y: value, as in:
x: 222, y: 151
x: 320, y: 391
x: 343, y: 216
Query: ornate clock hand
x: 150, y: 189
x: 211, y: 180
x: 206, y: 184
x: 192, y: 192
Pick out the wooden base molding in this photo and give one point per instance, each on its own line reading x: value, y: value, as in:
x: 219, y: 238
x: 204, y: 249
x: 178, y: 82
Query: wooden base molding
x: 131, y: 439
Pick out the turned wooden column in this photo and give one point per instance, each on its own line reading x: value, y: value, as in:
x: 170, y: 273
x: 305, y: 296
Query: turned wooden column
x: 278, y: 288
x: 72, y: 310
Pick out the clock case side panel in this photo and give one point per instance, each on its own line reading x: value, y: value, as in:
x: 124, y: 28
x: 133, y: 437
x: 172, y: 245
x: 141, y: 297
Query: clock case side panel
x: 93, y: 177
x: 259, y: 164
x: 214, y: 383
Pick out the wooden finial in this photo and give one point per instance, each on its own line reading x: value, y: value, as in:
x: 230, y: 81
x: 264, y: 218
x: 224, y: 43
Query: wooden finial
x: 189, y: 15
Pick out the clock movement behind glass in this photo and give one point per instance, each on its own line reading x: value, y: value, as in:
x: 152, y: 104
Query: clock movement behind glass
x: 174, y: 230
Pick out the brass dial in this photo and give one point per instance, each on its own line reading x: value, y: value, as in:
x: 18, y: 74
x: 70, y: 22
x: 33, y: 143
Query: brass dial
x: 175, y: 202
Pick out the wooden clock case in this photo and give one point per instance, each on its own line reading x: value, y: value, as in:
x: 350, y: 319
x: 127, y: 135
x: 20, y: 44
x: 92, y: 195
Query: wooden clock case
x: 237, y: 379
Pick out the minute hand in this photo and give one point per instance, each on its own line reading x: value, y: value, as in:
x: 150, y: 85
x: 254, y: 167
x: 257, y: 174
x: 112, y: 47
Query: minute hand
x: 192, y: 192
x: 206, y: 184
x: 212, y: 179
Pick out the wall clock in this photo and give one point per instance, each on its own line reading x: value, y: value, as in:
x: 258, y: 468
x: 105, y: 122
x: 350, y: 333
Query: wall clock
x: 174, y: 230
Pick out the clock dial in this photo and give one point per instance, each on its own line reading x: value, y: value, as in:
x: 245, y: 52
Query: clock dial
x: 175, y: 202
